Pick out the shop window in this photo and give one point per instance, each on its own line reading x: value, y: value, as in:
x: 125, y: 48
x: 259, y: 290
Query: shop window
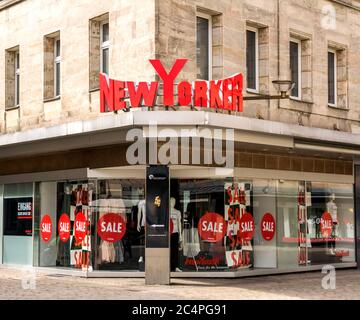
x: 123, y: 200
x: 18, y: 224
x: 329, y: 223
x: 52, y: 66
x: 99, y: 49
x: 12, y: 78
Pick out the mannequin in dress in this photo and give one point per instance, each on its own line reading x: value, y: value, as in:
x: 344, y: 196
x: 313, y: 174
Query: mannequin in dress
x: 176, y: 236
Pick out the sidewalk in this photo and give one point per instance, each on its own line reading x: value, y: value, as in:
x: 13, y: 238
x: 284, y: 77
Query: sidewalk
x: 293, y: 286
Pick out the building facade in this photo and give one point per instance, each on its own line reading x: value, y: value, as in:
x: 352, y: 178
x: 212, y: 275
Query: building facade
x: 287, y: 201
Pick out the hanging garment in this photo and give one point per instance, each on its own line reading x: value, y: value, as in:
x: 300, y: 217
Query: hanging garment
x: 119, y: 251
x: 191, y: 242
x: 106, y: 252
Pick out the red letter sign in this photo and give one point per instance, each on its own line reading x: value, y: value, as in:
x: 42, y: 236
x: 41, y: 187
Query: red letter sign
x: 168, y: 78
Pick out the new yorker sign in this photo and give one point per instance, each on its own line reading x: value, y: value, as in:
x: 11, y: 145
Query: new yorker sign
x: 223, y: 94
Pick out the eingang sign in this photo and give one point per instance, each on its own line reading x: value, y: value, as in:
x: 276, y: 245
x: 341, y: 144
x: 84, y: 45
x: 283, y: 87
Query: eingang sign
x: 222, y: 94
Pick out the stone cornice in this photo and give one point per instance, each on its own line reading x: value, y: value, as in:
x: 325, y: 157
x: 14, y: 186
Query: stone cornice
x: 8, y: 3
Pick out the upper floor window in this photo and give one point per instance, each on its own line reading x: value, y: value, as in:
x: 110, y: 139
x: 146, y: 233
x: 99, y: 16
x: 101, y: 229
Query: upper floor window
x: 252, y: 59
x: 17, y: 78
x: 203, y: 46
x: 52, y: 66
x: 295, y: 67
x: 104, y: 40
x: 12, y: 78
x: 57, y: 62
x: 99, y: 49
x: 332, y: 94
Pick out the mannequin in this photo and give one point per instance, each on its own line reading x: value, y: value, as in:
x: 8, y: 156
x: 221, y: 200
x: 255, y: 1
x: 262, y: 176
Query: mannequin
x: 331, y: 207
x: 176, y: 236
x: 141, y: 218
x: 141, y: 215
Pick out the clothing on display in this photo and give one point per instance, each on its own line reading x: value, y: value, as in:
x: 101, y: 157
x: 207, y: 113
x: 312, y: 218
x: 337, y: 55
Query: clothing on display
x: 331, y: 207
x: 141, y: 218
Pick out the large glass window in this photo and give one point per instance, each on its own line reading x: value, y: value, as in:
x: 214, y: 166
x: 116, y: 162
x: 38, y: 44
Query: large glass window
x: 119, y: 225
x: 330, y: 223
x: 18, y: 223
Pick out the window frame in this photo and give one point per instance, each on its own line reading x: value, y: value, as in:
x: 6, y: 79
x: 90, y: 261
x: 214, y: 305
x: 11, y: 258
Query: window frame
x: 334, y: 51
x: 209, y: 18
x: 17, y: 74
x: 256, y: 31
x: 103, y: 44
x: 57, y: 60
x: 298, y: 41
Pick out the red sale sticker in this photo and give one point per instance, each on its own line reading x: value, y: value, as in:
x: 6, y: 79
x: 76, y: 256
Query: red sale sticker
x: 46, y: 228
x: 111, y: 227
x: 246, y: 227
x: 64, y: 227
x: 212, y: 227
x: 268, y: 226
x: 80, y: 226
x: 326, y: 225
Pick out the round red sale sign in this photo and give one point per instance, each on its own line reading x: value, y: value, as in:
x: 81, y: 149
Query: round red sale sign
x: 268, y: 226
x: 111, y: 227
x: 64, y: 227
x: 247, y: 227
x: 80, y: 226
x: 326, y: 225
x: 46, y: 228
x: 212, y: 227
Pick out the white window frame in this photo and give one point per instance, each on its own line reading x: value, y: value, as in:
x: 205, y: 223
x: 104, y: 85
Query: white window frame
x: 334, y: 51
x: 103, y: 45
x: 298, y: 41
x: 256, y: 30
x: 57, y: 60
x: 17, y: 73
x: 209, y: 18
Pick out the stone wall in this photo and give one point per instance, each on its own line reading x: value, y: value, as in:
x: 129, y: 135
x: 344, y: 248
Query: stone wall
x: 166, y: 29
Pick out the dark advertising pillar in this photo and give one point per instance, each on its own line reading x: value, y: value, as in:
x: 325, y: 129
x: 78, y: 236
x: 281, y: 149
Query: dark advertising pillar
x: 157, y: 252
